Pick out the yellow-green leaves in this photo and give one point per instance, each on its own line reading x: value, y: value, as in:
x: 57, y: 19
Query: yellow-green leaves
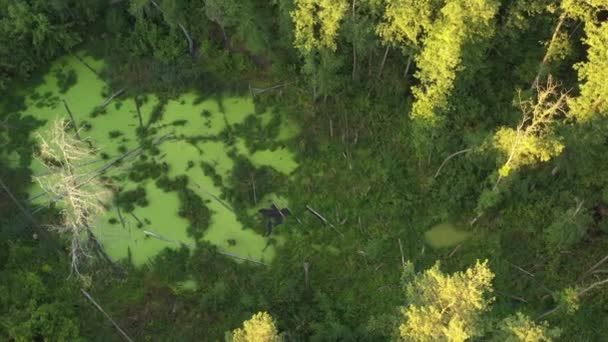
x: 447, y: 307
x: 405, y: 21
x: 593, y: 75
x: 260, y: 328
x: 534, y: 139
x: 519, y: 328
x: 460, y: 22
x: 317, y: 23
x: 521, y: 149
x: 454, y: 308
x: 304, y: 21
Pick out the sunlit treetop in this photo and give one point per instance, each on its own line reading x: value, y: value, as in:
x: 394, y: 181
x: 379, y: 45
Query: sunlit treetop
x: 405, y: 21
x: 593, y: 72
x: 534, y: 139
x: 260, y: 328
x: 460, y: 22
x: 447, y: 307
x: 520, y: 328
x: 317, y: 23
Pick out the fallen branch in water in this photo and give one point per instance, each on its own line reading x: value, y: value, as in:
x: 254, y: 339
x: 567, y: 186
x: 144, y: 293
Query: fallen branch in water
x: 219, y: 200
x: 162, y: 238
x: 109, y: 99
x: 86, y: 64
x: 67, y: 109
x: 134, y: 152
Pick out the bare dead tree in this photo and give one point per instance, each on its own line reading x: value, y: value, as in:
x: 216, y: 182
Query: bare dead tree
x: 59, y: 153
x: 538, y: 117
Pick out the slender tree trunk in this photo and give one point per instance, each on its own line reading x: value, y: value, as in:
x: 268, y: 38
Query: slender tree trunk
x: 545, y: 60
x: 591, y: 287
x: 450, y: 157
x: 188, y: 38
x: 594, y: 267
x: 118, y: 328
x: 354, y: 46
x: 383, y: 61
x: 306, y: 266
x: 407, y: 66
x: 67, y: 109
x: 109, y: 99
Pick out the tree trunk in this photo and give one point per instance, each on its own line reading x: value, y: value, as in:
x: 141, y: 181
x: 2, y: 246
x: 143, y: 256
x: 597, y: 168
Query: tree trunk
x: 190, y: 41
x: 450, y: 157
x: 122, y: 332
x: 407, y: 67
x: 354, y: 47
x: 546, y: 58
x: 383, y: 61
x: 67, y: 109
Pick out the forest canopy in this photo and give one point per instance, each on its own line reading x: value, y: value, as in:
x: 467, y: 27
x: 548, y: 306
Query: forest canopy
x: 293, y: 170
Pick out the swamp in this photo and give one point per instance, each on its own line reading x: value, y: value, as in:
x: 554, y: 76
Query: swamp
x: 303, y: 170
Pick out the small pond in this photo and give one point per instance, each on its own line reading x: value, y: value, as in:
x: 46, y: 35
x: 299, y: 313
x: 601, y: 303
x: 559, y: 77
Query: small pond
x: 445, y: 235
x: 198, y: 123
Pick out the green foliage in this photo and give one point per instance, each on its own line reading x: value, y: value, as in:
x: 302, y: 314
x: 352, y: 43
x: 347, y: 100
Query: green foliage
x: 35, y: 301
x: 406, y: 22
x: 592, y: 74
x: 447, y: 307
x: 568, y: 300
x: 568, y: 228
x: 310, y: 14
x: 534, y: 140
x: 519, y: 328
x: 452, y: 38
x: 34, y: 32
x: 356, y: 166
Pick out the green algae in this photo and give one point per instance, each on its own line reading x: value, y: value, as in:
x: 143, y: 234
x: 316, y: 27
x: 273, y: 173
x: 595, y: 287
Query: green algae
x: 199, y: 126
x: 445, y: 235
x: 161, y: 227
x: 280, y: 159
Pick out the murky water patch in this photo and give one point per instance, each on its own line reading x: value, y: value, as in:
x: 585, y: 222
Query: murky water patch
x: 445, y: 235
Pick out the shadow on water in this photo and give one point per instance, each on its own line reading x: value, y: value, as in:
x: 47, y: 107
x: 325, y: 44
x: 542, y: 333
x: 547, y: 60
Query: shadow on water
x: 196, y: 138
